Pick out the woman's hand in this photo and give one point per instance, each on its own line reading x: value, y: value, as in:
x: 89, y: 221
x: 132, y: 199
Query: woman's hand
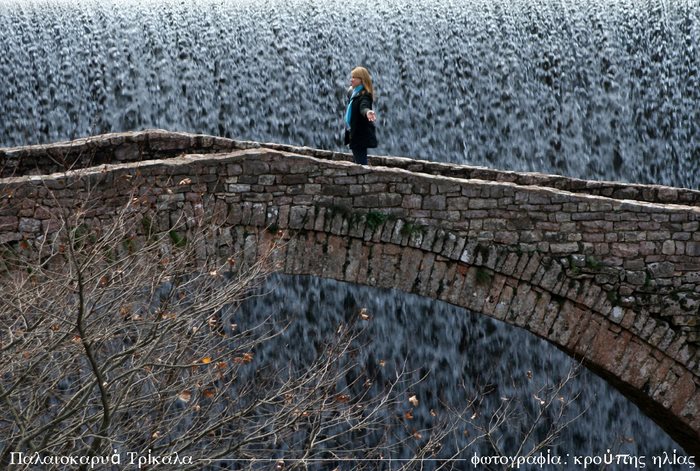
x: 371, y: 116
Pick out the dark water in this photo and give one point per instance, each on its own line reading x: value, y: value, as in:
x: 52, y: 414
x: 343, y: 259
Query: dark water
x: 592, y: 89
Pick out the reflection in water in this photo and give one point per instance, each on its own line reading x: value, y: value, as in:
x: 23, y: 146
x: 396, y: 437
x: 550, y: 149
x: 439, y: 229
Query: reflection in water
x: 592, y: 89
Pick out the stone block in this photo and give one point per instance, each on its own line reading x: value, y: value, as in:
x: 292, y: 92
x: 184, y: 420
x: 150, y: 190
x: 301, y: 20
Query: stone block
x: 437, y: 275
x: 389, y: 200
x: 636, y: 277
x: 9, y: 223
x: 522, y: 306
x: 409, y: 268
x: 354, y: 255
x: 692, y: 249
x: 29, y: 225
x: 563, y: 248
x: 624, y: 250
x: 680, y: 248
x: 10, y: 237
x: 428, y: 238
x: 436, y: 202
x: 266, y: 180
x: 458, y: 203
x: 297, y: 217
x: 335, y: 256
x: 354, y: 190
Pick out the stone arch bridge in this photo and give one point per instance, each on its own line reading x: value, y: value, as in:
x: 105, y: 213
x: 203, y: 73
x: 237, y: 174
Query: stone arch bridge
x: 608, y: 272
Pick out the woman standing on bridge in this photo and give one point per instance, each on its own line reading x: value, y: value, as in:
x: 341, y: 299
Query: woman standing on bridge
x: 359, y: 116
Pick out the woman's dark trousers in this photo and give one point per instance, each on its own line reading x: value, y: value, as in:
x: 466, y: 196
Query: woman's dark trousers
x: 360, y: 155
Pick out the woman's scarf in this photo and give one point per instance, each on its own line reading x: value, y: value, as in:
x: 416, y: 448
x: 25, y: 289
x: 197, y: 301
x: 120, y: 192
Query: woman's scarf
x: 348, y: 112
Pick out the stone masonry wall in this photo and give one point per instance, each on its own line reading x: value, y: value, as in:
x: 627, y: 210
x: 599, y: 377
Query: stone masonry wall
x: 639, y: 254
x: 645, y: 255
x: 615, y: 281
x: 158, y: 144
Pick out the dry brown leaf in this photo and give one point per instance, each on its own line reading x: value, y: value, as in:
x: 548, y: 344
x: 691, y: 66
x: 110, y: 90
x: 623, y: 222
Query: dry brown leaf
x: 408, y: 415
x: 342, y: 398
x: 185, y: 396
x: 209, y: 393
x: 413, y: 399
x: 245, y: 358
x: 417, y: 435
x: 433, y: 413
x: 185, y: 181
x: 364, y: 314
x: 206, y: 360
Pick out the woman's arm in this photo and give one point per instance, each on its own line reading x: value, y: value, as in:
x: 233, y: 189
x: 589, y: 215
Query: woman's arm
x: 366, y: 108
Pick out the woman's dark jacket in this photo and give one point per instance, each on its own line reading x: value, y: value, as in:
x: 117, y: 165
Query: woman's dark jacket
x: 362, y: 133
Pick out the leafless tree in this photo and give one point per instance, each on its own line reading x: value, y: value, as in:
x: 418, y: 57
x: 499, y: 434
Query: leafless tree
x: 531, y: 424
x: 120, y: 342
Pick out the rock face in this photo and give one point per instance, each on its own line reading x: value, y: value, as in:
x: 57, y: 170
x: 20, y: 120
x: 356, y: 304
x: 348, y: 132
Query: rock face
x: 606, y: 271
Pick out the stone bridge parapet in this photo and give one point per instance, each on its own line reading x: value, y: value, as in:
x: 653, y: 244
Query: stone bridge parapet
x: 158, y: 144
x: 608, y: 272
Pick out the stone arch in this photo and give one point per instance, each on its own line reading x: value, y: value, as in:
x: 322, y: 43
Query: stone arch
x: 608, y: 272
x: 652, y: 379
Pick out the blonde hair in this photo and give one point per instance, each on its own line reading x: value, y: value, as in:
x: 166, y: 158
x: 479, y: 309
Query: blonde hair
x: 363, y: 74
